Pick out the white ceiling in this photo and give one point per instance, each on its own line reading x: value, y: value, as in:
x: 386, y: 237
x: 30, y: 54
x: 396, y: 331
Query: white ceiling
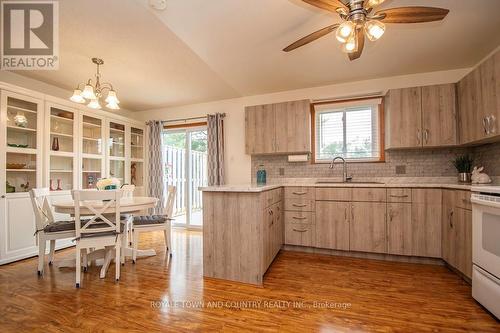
x: 199, y: 50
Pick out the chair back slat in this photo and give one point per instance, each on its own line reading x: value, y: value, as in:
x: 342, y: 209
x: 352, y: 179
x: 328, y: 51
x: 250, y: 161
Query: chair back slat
x: 97, y: 203
x: 128, y: 191
x: 170, y: 201
x: 42, y: 208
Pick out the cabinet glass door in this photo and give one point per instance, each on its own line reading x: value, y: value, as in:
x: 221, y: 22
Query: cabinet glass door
x: 22, y: 127
x: 116, y: 140
x: 92, y: 151
x: 137, y: 156
x: 62, y: 149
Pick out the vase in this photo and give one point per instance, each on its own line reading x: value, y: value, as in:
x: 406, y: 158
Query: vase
x: 59, y: 185
x: 51, y: 185
x: 464, y: 177
x: 261, y: 175
x: 55, y: 144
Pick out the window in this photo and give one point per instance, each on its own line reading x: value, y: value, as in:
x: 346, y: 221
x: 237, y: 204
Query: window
x: 348, y: 129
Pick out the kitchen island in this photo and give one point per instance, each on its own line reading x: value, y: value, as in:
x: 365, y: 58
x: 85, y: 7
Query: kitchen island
x: 244, y: 227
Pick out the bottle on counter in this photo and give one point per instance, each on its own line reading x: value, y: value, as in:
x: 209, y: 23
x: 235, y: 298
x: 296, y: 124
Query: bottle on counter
x: 261, y: 175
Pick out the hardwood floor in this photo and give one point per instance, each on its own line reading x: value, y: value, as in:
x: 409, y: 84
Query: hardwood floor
x: 353, y: 295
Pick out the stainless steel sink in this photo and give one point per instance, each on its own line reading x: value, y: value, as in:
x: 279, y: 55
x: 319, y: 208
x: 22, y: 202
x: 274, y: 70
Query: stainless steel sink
x: 341, y: 182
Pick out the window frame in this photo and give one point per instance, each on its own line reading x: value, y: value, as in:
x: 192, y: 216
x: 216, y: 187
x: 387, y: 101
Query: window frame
x: 381, y: 131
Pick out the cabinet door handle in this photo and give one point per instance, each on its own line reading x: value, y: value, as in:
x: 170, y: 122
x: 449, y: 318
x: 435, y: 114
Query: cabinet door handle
x: 299, y: 230
x: 450, y: 218
x: 399, y: 196
x: 493, y: 121
x: 390, y: 215
x: 297, y: 205
x: 299, y: 193
x: 3, y: 196
x: 352, y: 213
x: 418, y: 137
x: 299, y: 217
x: 464, y: 200
x: 345, y: 214
x: 426, y: 135
x: 485, y: 126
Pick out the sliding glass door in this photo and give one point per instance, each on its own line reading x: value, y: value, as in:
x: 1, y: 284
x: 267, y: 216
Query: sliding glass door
x: 185, y: 154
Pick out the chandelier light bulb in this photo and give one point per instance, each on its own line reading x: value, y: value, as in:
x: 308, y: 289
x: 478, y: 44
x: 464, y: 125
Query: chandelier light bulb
x: 344, y: 31
x: 77, y: 96
x: 373, y: 3
x: 94, y: 104
x: 374, y: 30
x: 88, y: 92
x: 113, y: 106
x: 112, y: 99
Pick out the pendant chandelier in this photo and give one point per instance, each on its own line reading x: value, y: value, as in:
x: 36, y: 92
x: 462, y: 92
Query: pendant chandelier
x: 92, y: 93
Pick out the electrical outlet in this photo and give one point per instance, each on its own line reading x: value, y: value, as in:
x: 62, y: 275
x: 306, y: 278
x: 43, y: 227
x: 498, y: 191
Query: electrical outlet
x: 400, y: 169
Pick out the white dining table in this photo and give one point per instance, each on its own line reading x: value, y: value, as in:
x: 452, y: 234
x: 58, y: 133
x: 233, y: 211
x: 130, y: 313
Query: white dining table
x: 128, y: 205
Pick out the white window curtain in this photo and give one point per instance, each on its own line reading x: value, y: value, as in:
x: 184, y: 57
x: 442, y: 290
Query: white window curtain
x: 215, y: 152
x: 156, y: 168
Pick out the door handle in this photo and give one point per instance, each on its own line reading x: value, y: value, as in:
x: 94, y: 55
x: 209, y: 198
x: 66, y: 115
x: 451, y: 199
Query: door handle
x: 485, y: 126
x: 297, y: 205
x: 3, y: 196
x: 299, y: 193
x: 345, y: 214
x: 426, y: 135
x: 299, y: 217
x: 492, y: 124
x: 299, y: 230
x: 450, y: 218
x: 352, y: 213
x: 399, y: 196
x: 418, y: 137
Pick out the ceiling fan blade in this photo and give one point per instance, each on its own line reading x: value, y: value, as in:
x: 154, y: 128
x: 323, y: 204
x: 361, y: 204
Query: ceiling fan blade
x: 412, y: 14
x: 329, y: 5
x: 360, y: 36
x: 311, y: 38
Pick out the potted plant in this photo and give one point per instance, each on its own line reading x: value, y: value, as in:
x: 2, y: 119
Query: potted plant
x: 463, y: 164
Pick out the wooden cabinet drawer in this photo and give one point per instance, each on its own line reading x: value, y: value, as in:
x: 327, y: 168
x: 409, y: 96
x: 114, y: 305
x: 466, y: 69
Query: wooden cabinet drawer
x: 369, y: 194
x: 463, y: 199
x: 398, y: 195
x: 299, y: 234
x: 333, y: 194
x: 273, y: 196
x: 299, y: 205
x: 299, y: 192
x: 299, y: 217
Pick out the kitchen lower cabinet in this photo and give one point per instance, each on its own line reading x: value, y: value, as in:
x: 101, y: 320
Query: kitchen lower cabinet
x: 273, y: 232
x: 426, y: 222
x: 300, y: 234
x: 399, y: 229
x: 332, y: 225
x: 367, y: 232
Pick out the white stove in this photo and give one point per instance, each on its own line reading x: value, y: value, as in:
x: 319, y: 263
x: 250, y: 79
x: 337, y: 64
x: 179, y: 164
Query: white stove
x: 486, y: 246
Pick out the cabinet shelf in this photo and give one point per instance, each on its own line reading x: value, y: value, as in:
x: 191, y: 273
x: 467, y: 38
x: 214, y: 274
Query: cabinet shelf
x: 21, y: 109
x: 61, y: 171
x: 116, y: 130
x: 91, y: 171
x: 21, y: 129
x: 62, y: 134
x: 61, y: 153
x: 21, y: 170
x: 69, y: 120
x: 90, y: 139
x: 15, y: 150
x: 90, y: 124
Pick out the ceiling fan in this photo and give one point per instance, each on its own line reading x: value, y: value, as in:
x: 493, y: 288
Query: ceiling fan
x: 359, y: 21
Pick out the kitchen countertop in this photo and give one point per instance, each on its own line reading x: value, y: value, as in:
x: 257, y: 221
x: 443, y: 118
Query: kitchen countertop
x: 444, y: 183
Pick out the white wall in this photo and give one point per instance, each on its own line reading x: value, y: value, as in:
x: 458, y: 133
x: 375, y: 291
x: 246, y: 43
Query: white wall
x: 238, y: 164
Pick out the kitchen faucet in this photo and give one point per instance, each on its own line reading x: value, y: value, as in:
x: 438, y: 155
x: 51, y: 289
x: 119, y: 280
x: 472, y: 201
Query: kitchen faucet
x: 345, y: 178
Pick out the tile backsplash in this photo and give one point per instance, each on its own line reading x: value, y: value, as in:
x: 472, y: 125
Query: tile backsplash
x: 398, y: 163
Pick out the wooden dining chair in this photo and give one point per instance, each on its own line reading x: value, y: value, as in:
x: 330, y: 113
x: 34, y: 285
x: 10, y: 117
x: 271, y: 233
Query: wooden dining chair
x: 47, y: 228
x: 101, y: 228
x: 148, y: 223
x: 128, y: 192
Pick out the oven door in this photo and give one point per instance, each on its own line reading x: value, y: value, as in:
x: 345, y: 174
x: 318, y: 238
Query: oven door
x: 486, y: 233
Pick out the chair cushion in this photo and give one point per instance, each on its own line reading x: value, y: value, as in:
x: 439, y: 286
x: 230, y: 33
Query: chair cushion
x: 150, y: 219
x: 98, y: 226
x: 60, y: 226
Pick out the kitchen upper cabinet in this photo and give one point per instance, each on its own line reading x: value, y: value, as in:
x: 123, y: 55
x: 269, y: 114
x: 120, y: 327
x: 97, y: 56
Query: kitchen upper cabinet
x: 421, y: 117
x: 399, y: 228
x: 403, y: 109
x: 479, y: 102
x: 426, y: 222
x: 293, y: 127
x: 368, y: 228
x: 439, y: 115
x: 282, y: 128
x: 260, y: 129
x: 332, y: 225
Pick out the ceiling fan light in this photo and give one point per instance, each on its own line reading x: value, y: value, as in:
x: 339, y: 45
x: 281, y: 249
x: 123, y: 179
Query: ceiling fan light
x: 374, y: 30
x: 112, y: 97
x: 88, y: 92
x: 350, y: 45
x: 373, y: 3
x: 94, y: 104
x: 77, y: 96
x: 344, y: 31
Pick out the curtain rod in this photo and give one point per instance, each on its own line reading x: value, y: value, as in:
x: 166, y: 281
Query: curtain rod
x: 186, y: 119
